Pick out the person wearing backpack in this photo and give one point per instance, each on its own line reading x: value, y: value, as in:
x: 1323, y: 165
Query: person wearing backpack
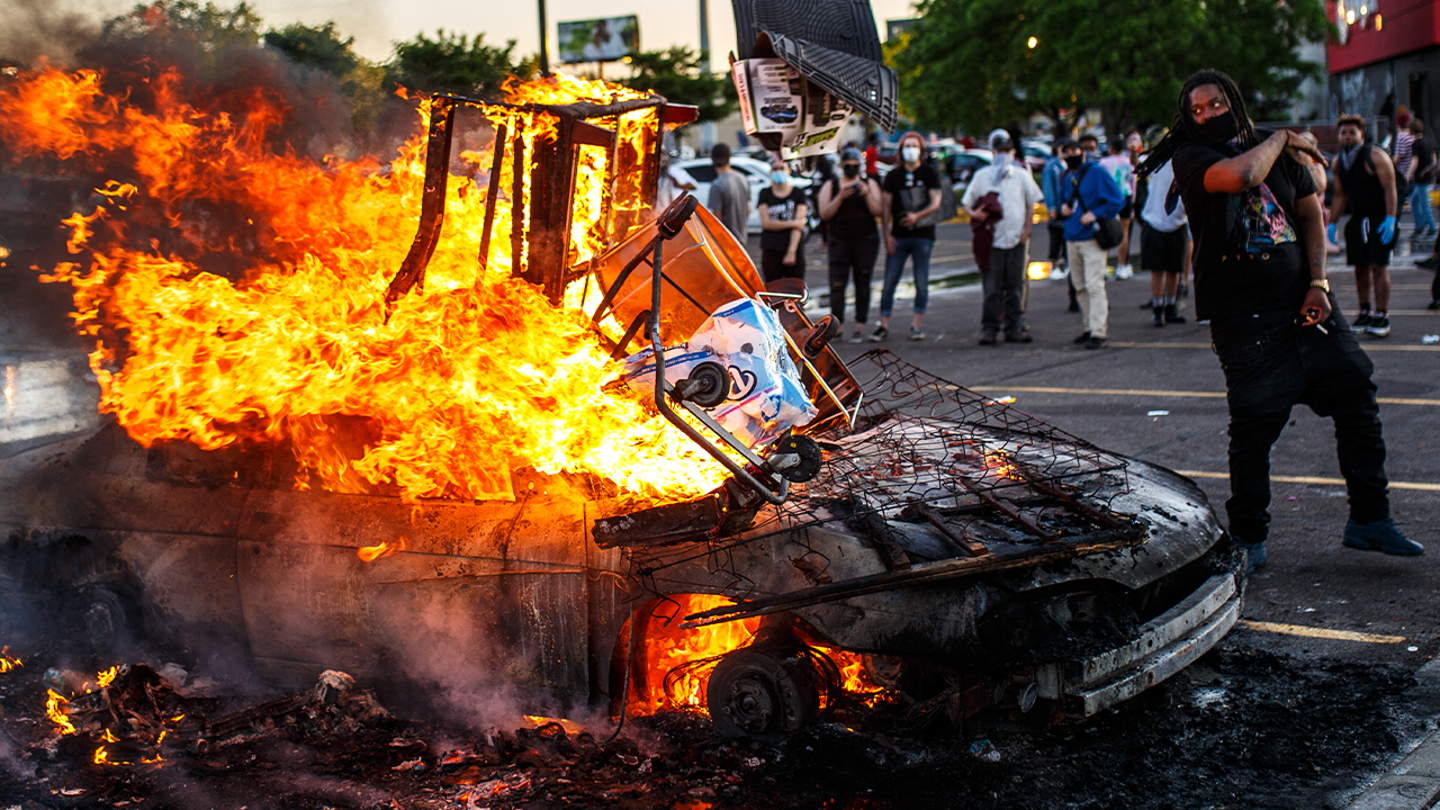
x: 1090, y: 195
x: 849, y: 207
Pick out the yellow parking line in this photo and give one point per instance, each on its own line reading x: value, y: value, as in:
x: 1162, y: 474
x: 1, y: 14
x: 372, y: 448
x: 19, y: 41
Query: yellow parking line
x: 1367, y: 346
x: 1313, y: 479
x: 1320, y: 632
x: 1149, y: 392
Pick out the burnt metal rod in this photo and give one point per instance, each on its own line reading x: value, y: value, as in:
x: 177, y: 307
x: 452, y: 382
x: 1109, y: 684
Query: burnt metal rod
x: 923, y: 573
x: 1005, y: 510
x: 1103, y: 518
x: 970, y: 544
x: 492, y: 195
x: 624, y: 276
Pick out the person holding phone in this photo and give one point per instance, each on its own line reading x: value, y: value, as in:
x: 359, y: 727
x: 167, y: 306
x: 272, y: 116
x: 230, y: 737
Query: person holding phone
x: 849, y: 205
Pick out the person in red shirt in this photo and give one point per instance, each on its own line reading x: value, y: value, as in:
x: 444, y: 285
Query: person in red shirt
x: 872, y: 155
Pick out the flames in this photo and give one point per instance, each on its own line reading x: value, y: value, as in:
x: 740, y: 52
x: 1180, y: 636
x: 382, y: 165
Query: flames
x: 233, y: 292
x: 56, y: 708
x: 9, y: 662
x: 385, y: 549
x: 678, y: 662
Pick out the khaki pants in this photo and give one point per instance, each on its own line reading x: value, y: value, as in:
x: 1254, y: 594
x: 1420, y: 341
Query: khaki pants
x: 1087, y: 271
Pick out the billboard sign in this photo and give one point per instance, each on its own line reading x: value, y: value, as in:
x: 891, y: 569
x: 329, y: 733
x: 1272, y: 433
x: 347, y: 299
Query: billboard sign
x: 603, y: 40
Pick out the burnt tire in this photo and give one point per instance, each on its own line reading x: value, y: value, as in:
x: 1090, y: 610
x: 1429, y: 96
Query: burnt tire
x: 762, y: 696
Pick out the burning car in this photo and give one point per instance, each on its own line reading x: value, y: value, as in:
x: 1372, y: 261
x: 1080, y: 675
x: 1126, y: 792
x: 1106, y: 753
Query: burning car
x: 530, y: 452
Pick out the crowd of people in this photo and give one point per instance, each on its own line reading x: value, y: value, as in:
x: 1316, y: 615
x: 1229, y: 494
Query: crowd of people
x: 1243, y: 210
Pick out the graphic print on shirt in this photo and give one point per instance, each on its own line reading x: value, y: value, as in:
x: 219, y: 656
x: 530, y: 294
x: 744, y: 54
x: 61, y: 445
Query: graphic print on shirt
x: 1263, y: 220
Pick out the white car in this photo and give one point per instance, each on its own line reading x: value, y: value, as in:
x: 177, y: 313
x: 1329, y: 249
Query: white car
x: 756, y: 172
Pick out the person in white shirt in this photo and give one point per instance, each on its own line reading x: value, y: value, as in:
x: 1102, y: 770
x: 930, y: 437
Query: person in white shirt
x: 1164, y: 243
x: 1005, y: 283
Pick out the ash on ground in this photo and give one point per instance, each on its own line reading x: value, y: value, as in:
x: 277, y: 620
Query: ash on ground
x: 1240, y: 729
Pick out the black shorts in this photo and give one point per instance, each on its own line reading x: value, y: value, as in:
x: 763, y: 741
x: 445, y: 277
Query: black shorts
x: 1128, y: 209
x: 1362, y: 241
x: 1163, y: 252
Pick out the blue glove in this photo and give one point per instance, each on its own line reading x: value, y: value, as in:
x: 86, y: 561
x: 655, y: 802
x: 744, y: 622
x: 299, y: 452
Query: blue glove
x: 1387, y: 231
x: 1330, y: 232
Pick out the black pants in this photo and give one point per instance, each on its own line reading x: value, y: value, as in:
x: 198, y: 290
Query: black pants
x: 852, y: 256
x: 1057, y: 240
x: 773, y: 267
x: 1006, y: 287
x: 1269, y: 372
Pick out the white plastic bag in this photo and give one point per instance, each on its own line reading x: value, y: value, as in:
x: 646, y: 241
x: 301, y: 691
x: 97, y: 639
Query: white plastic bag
x: 765, y: 398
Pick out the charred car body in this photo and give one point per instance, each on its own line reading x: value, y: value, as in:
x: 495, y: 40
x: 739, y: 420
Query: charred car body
x: 952, y: 548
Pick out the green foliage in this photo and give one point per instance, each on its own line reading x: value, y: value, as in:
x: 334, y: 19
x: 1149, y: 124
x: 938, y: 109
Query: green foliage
x: 970, y: 64
x: 210, y: 26
x: 675, y: 74
x: 320, y: 48
x: 450, y: 63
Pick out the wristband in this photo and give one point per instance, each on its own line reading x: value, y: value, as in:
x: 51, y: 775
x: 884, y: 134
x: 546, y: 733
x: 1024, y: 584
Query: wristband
x: 1322, y: 283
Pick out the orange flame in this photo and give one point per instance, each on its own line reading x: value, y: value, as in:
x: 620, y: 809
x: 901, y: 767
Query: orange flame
x: 999, y: 463
x: 385, y: 549
x: 55, y: 709
x: 9, y: 662
x: 473, y: 376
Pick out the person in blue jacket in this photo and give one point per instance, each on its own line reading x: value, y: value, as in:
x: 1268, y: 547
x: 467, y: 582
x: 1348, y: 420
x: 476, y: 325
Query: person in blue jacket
x: 1090, y: 193
x: 1050, y: 187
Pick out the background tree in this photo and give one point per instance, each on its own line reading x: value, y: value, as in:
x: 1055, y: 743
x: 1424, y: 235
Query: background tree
x: 450, y: 63
x: 981, y: 63
x: 210, y: 26
x: 675, y: 74
x: 321, y: 48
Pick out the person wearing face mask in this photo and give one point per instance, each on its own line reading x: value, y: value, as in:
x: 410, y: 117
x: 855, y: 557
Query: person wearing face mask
x: 1365, y: 178
x: 1090, y: 195
x: 1260, y: 280
x: 1090, y: 145
x: 849, y: 205
x: 783, y: 210
x: 909, y: 207
x: 1003, y: 276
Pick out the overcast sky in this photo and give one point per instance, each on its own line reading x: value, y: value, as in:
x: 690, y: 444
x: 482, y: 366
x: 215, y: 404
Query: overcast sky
x: 376, y: 24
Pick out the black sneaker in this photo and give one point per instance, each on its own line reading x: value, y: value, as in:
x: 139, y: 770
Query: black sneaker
x: 987, y: 339
x: 1172, y: 314
x: 1379, y: 325
x: 1159, y: 319
x: 1095, y: 343
x: 879, y: 334
x: 1383, y: 536
x: 1361, y: 321
x: 1082, y: 339
x: 916, y: 333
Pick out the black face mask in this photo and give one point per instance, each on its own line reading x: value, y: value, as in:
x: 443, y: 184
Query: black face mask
x: 1074, y: 161
x: 851, y: 170
x: 1220, y: 129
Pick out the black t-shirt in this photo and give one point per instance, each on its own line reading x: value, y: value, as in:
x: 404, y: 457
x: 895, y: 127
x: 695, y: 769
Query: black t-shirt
x: 782, y: 209
x: 1249, y: 259
x: 895, y: 184
x: 1424, y: 162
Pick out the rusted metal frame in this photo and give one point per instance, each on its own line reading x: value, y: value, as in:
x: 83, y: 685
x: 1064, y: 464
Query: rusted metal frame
x: 994, y: 503
x: 619, y: 352
x: 492, y: 193
x: 1103, y: 518
x: 919, y: 574
x: 432, y: 203
x: 972, y: 546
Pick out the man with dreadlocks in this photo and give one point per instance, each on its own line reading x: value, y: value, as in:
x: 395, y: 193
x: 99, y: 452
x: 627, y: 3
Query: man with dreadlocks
x: 1260, y: 263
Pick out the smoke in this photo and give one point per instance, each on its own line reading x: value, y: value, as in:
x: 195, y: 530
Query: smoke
x: 53, y: 29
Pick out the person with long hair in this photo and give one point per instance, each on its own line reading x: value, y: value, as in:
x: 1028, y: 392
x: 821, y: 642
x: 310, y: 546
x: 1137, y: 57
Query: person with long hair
x: 1260, y: 281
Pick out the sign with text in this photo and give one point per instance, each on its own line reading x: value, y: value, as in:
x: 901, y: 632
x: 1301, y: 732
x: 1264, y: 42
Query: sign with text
x: 776, y: 102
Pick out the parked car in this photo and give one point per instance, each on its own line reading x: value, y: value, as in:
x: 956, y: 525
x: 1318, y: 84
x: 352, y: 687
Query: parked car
x: 756, y: 173
x: 1037, y: 154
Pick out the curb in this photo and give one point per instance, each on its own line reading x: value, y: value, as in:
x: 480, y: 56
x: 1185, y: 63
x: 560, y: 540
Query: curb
x: 1413, y: 783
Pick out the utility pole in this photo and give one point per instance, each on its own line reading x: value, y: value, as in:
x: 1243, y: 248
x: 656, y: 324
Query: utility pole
x: 707, y: 129
x: 544, y: 45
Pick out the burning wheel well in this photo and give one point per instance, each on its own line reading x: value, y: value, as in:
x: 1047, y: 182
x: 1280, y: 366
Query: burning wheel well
x: 78, y: 589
